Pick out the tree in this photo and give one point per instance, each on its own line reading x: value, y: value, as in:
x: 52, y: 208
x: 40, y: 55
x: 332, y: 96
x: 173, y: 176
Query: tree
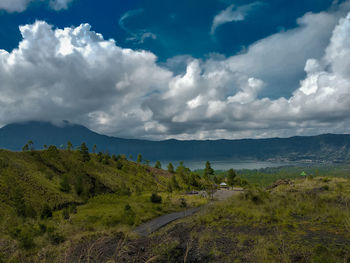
x: 30, y: 145
x: 193, y: 180
x: 25, y: 148
x: 158, y: 165
x: 106, y: 158
x: 69, y: 146
x: 216, y: 180
x: 94, y: 148
x: 170, y: 168
x: 174, y: 183
x: 208, y: 171
x: 84, y: 151
x: 231, y: 177
x: 139, y: 158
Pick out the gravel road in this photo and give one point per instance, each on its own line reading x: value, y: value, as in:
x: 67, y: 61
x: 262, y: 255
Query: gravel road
x: 157, y: 223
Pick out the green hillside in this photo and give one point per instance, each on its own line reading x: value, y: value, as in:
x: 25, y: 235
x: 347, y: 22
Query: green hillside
x: 305, y: 220
x: 51, y: 198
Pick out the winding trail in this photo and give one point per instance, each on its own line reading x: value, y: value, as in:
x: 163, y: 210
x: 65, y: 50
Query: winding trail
x: 149, y: 227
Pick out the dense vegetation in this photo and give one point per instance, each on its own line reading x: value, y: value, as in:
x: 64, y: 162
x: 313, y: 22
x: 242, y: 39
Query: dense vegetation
x: 53, y: 198
x: 71, y: 205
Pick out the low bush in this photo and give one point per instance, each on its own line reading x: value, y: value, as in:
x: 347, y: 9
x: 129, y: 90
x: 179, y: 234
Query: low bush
x: 155, y: 198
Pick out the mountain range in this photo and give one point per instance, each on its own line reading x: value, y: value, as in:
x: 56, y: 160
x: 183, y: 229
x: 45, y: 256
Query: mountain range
x: 321, y: 148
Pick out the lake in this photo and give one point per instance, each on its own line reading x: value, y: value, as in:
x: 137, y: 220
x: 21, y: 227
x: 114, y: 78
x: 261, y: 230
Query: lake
x: 225, y: 164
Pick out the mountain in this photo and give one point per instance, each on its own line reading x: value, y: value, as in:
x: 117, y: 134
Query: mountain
x: 326, y: 147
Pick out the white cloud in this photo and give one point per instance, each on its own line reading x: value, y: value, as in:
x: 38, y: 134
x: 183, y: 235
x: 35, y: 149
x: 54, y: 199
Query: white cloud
x: 139, y: 36
x: 59, y: 4
x: 231, y: 14
x: 14, y: 5
x: 22, y: 5
x: 74, y: 74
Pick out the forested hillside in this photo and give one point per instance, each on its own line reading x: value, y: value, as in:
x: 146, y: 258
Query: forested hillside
x: 323, y: 148
x: 53, y: 197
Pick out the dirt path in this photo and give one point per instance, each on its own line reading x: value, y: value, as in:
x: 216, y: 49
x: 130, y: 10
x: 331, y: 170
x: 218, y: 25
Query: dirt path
x: 157, y: 223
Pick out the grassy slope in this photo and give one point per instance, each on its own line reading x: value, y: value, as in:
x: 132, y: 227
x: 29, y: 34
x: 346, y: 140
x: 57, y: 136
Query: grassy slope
x: 307, y: 221
x: 96, y: 202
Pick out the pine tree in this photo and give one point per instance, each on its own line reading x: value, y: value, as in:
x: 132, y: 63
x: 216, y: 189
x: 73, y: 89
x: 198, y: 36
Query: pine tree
x: 84, y: 151
x: 158, y: 165
x: 231, y: 177
x: 139, y: 158
x: 174, y: 183
x: 69, y: 146
x: 170, y: 168
x: 208, y: 171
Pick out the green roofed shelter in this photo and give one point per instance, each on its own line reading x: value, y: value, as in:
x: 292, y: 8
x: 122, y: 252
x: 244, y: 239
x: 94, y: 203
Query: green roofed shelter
x: 303, y: 173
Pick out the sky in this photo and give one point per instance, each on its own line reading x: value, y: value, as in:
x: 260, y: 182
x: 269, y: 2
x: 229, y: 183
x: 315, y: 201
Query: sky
x: 186, y: 69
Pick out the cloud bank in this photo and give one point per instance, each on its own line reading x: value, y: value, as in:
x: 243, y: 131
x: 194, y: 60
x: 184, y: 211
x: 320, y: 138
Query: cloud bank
x: 75, y: 74
x: 21, y: 5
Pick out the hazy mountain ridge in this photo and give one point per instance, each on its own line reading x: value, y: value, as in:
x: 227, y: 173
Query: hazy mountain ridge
x: 326, y: 147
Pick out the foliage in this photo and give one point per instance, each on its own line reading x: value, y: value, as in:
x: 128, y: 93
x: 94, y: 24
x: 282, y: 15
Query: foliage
x: 231, y: 176
x: 84, y: 151
x: 139, y: 158
x: 51, y: 196
x: 155, y: 198
x: 46, y: 212
x: 208, y: 171
x: 69, y: 146
x: 294, y: 221
x: 158, y: 165
x: 170, y: 168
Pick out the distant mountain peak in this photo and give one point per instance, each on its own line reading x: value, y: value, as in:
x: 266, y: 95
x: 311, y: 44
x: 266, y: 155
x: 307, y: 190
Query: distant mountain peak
x: 325, y: 147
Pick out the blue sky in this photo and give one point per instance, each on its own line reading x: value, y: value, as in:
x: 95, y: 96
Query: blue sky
x: 183, y: 69
x: 181, y: 27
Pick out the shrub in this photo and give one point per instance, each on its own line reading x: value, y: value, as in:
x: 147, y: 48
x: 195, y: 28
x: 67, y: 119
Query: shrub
x: 325, y: 187
x: 54, y: 237
x: 155, y: 198
x: 183, y: 202
x: 25, y: 237
x: 64, y: 184
x: 4, y: 163
x: 46, y: 212
x: 119, y: 165
x: 42, y: 228
x: 65, y: 213
x: 129, y: 215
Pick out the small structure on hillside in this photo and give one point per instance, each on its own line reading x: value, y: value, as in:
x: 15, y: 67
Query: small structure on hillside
x: 223, y: 185
x: 303, y: 174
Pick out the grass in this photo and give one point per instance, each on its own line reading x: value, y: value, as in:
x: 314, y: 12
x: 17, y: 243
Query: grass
x: 52, y: 199
x: 306, y: 221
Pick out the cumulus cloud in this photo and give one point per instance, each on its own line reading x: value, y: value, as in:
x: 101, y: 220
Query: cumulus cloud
x: 22, y: 5
x: 77, y: 75
x: 233, y: 13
